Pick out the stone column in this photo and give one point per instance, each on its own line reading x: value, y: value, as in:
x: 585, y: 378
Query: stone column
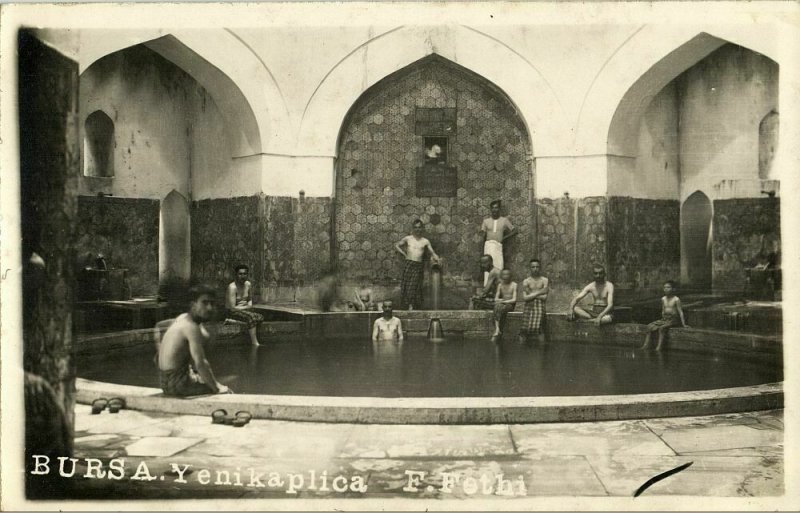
x: 49, y: 165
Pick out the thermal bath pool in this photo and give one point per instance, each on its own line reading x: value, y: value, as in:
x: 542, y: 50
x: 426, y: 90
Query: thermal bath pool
x: 323, y: 367
x: 459, y: 367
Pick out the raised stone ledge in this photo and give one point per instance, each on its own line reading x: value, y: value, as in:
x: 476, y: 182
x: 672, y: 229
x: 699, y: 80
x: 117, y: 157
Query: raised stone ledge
x: 463, y: 410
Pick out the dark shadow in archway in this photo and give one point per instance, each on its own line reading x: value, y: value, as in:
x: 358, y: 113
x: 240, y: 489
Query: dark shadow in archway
x: 696, y: 235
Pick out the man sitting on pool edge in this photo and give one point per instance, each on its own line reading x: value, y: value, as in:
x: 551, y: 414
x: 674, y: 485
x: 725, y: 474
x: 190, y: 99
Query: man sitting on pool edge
x: 602, y: 292
x: 182, y: 347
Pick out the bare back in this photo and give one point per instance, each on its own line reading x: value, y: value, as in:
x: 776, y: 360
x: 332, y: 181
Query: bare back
x: 175, y: 352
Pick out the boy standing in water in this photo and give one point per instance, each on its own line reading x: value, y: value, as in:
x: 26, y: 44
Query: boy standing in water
x: 387, y: 327
x: 534, y: 292
x: 411, y: 282
x: 671, y: 315
x: 505, y: 300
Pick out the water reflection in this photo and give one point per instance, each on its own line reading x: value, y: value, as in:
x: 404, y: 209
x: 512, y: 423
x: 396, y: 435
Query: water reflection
x: 456, y: 367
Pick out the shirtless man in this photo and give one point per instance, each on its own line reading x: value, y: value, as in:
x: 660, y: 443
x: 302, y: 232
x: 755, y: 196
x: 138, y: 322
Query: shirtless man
x: 363, y: 299
x: 182, y: 347
x: 534, y: 293
x: 505, y: 300
x: 485, y: 299
x: 496, y: 229
x: 411, y: 282
x: 387, y: 327
x: 602, y: 292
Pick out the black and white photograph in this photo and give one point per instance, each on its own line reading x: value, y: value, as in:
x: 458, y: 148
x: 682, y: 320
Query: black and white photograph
x: 420, y: 256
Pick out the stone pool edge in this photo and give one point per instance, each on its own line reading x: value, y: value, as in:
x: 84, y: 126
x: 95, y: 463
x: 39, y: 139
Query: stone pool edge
x: 448, y: 410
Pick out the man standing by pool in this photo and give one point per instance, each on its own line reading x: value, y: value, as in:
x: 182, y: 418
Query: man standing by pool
x: 182, y: 347
x: 496, y: 229
x: 239, y: 303
x: 411, y: 282
x: 602, y: 292
x: 534, y: 293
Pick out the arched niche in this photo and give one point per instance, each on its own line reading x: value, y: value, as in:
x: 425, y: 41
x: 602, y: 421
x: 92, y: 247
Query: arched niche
x: 767, y: 143
x: 693, y: 119
x: 98, y: 145
x: 174, y: 245
x: 210, y: 58
x: 696, y: 238
x: 431, y: 111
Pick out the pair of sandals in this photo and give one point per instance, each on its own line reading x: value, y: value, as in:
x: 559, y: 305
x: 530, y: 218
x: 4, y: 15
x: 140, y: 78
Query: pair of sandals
x: 115, y: 404
x: 239, y: 419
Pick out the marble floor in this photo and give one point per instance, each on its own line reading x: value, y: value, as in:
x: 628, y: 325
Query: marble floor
x: 166, y: 456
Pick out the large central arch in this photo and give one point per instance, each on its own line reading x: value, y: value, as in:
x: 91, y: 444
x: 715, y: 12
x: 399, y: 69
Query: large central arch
x: 382, y: 153
x: 536, y: 101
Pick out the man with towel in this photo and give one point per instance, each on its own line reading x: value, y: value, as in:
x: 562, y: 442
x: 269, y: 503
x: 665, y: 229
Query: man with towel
x: 496, y: 230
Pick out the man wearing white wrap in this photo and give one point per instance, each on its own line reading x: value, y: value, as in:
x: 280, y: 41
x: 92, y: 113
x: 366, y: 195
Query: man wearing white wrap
x: 496, y: 230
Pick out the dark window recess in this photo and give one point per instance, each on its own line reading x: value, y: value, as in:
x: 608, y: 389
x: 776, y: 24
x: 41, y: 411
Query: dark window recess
x: 435, y: 121
x: 98, y: 145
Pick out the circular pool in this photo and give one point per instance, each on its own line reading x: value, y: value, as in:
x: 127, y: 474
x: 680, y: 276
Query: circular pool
x: 464, y: 380
x: 459, y: 367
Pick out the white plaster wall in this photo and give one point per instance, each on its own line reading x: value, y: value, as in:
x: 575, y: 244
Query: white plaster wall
x: 214, y: 174
x: 152, y: 149
x: 169, y: 133
x: 580, y: 177
x: 654, y: 173
x: 287, y: 176
x: 722, y: 101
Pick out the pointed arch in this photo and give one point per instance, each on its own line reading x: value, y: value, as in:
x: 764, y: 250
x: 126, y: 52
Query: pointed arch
x: 98, y: 144
x: 488, y: 57
x: 246, y: 94
x: 174, y: 245
x: 696, y: 238
x: 648, y: 61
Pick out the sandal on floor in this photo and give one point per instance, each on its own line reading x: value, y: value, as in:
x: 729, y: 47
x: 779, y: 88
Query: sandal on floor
x: 242, y: 418
x: 115, y: 404
x: 99, y: 405
x: 218, y: 416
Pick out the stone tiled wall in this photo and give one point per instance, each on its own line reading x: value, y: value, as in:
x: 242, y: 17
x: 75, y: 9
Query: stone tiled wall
x: 743, y: 228
x: 278, y: 241
x: 225, y: 232
x: 592, y: 235
x: 644, y: 247
x: 312, y: 235
x: 379, y: 153
x: 556, y: 218
x: 125, y: 231
x: 285, y: 241
x: 572, y: 237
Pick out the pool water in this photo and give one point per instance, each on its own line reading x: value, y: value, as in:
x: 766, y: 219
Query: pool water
x: 455, y: 368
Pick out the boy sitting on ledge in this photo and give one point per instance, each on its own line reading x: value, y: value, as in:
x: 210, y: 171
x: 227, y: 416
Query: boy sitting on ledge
x: 671, y: 313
